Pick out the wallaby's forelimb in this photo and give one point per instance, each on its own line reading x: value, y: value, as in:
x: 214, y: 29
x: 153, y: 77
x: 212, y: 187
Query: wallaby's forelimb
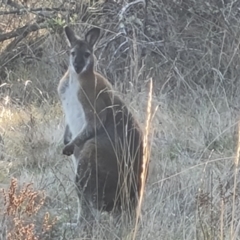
x: 77, y: 141
x: 96, y: 119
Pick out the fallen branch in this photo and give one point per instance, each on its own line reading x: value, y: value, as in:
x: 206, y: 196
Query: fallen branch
x: 25, y: 30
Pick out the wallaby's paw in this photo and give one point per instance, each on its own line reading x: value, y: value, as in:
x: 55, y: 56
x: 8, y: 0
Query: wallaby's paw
x: 68, y: 149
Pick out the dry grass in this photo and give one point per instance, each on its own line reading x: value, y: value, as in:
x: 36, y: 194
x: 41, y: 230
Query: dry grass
x: 191, y: 51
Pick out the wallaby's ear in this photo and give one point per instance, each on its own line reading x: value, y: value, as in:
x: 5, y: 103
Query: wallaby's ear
x: 92, y: 36
x: 70, y: 35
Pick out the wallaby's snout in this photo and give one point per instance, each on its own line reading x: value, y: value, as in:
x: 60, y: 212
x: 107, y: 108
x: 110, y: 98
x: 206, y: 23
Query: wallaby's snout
x: 79, y: 62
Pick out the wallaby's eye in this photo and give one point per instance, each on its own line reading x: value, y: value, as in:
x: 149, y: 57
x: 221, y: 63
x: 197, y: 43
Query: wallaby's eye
x: 73, y: 53
x: 86, y: 54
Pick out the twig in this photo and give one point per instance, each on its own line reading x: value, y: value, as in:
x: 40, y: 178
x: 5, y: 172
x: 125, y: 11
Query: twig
x: 123, y: 10
x: 119, y: 47
x: 106, y: 44
x: 109, y: 41
x: 115, y: 52
x: 128, y: 5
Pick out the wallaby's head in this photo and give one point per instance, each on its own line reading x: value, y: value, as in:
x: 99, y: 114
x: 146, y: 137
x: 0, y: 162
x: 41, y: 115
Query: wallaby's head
x: 81, y: 53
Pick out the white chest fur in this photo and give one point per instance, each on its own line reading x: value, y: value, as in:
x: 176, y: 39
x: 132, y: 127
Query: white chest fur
x: 74, y: 114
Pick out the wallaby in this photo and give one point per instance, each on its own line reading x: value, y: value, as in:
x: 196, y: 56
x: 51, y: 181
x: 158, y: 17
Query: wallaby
x: 101, y: 133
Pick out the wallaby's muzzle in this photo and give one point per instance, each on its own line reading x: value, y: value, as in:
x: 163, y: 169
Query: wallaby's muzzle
x: 79, y: 64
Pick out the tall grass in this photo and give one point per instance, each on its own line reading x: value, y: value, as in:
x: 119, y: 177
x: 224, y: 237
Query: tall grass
x: 146, y: 157
x: 234, y: 233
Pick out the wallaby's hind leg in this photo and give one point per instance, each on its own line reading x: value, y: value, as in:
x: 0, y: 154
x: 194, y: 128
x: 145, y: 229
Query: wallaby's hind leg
x: 85, y: 214
x: 76, y: 222
x: 97, y: 176
x: 84, y: 217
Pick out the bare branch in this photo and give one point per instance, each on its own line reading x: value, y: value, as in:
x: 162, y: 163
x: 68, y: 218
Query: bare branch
x: 27, y: 10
